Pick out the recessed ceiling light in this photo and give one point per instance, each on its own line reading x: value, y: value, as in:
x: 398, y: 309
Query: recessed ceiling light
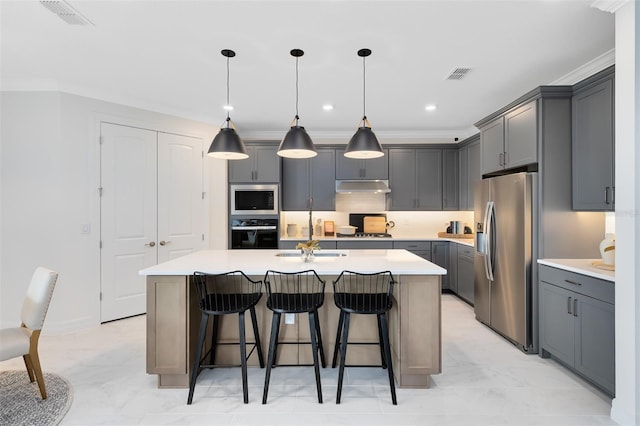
x: 228, y: 107
x: 327, y: 107
x: 430, y: 107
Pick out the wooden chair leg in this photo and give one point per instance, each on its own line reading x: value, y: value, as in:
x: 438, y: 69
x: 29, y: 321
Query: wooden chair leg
x: 29, y: 365
x: 32, y: 361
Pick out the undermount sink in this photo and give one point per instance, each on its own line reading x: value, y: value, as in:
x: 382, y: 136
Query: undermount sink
x: 316, y: 254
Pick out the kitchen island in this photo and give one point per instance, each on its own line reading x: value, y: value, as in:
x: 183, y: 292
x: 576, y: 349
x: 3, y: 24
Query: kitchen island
x: 414, y: 322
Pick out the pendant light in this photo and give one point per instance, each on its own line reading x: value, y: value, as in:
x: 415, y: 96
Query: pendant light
x: 363, y: 143
x: 227, y: 144
x: 297, y: 143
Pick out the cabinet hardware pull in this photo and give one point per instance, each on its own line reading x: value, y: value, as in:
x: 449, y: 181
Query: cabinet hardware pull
x: 575, y: 307
x: 606, y: 195
x: 572, y: 282
x: 500, y: 162
x: 569, y: 305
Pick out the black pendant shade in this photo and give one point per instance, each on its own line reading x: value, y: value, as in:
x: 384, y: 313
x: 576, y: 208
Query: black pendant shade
x: 227, y: 145
x: 297, y: 143
x: 364, y: 143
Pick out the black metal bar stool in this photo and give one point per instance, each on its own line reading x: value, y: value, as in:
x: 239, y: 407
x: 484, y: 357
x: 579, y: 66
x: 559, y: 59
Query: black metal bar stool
x: 224, y: 294
x: 294, y: 293
x: 368, y: 294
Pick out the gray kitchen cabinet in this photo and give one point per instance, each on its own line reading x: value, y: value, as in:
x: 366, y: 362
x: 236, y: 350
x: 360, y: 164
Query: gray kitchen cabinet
x: 419, y: 248
x: 415, y: 178
x: 452, y: 269
x: 440, y: 256
x: 303, y: 179
x: 363, y: 245
x: 354, y: 169
x: 469, y: 170
x: 465, y: 273
x: 450, y: 178
x: 577, y: 324
x: 263, y: 165
x: 510, y: 140
x: 291, y: 244
x: 593, y: 142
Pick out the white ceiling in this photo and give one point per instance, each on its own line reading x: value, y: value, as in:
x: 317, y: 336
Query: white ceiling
x: 165, y: 56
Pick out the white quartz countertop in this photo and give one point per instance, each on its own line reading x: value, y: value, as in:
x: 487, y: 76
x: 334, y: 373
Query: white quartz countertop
x: 257, y: 262
x: 580, y: 266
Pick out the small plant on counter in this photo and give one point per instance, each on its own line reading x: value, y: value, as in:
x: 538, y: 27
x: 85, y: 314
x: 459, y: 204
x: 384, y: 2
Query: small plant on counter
x: 309, y: 245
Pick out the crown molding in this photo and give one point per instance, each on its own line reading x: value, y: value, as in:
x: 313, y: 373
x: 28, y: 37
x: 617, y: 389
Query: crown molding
x: 611, y: 6
x: 593, y: 66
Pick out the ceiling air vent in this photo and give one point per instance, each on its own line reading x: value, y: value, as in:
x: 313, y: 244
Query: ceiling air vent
x: 66, y: 12
x: 458, y: 73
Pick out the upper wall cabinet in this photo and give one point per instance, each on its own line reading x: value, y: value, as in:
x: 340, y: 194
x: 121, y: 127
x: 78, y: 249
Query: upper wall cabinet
x: 593, y: 142
x: 450, y: 179
x: 352, y: 169
x: 415, y: 178
x: 263, y: 165
x: 304, y: 179
x: 469, y: 170
x: 510, y: 140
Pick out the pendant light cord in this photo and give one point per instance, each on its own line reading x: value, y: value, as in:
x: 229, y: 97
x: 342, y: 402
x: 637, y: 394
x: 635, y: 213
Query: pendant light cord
x: 297, y: 117
x: 228, y: 104
x: 364, y: 88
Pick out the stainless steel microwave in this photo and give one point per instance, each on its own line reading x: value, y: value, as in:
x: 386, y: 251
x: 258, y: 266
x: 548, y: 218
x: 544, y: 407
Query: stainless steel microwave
x: 254, y: 199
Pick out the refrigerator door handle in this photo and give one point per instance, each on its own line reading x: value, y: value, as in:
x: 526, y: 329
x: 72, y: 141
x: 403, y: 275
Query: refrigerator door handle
x: 488, y: 227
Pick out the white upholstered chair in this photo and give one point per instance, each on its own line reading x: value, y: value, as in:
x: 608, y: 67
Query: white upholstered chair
x: 23, y: 340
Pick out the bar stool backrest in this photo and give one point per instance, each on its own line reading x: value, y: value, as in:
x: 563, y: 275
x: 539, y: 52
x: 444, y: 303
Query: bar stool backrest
x: 364, y: 293
x: 226, y: 293
x: 293, y: 292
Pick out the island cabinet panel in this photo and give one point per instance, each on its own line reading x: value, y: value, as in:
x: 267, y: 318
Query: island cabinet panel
x: 354, y: 169
x: 263, y: 165
x: 577, y: 324
x: 593, y: 143
x: 416, y: 356
x: 168, y: 317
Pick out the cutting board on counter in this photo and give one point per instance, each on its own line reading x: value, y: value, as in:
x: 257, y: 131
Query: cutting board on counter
x: 375, y: 224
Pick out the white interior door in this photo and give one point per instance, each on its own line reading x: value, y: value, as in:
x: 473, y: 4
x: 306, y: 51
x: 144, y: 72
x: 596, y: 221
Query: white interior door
x: 180, y: 200
x: 128, y: 225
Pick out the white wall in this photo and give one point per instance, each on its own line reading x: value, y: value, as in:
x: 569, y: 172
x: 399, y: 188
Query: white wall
x: 626, y: 405
x: 49, y: 179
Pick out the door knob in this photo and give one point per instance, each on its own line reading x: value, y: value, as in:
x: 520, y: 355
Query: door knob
x: 164, y: 243
x: 151, y: 244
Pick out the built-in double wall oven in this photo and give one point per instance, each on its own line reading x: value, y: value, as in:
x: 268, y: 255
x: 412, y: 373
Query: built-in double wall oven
x: 254, y: 216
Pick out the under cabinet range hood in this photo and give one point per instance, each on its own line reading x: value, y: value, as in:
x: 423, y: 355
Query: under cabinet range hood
x: 373, y: 186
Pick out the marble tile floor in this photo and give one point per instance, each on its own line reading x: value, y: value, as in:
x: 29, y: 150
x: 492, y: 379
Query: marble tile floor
x: 485, y: 381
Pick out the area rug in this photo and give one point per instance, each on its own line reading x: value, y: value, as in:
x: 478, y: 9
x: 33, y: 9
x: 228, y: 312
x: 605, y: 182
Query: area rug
x: 21, y: 403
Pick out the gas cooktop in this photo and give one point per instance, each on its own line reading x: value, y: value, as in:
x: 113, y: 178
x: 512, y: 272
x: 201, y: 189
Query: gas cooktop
x: 366, y: 235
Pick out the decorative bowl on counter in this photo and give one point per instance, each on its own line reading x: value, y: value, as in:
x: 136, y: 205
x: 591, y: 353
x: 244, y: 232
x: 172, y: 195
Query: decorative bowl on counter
x: 347, y: 229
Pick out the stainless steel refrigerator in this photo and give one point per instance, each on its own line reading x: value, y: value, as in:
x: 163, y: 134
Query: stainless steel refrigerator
x: 505, y: 249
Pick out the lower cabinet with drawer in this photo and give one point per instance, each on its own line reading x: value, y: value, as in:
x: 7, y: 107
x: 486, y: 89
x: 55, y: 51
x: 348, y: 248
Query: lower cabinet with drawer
x: 465, y: 273
x: 577, y: 324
